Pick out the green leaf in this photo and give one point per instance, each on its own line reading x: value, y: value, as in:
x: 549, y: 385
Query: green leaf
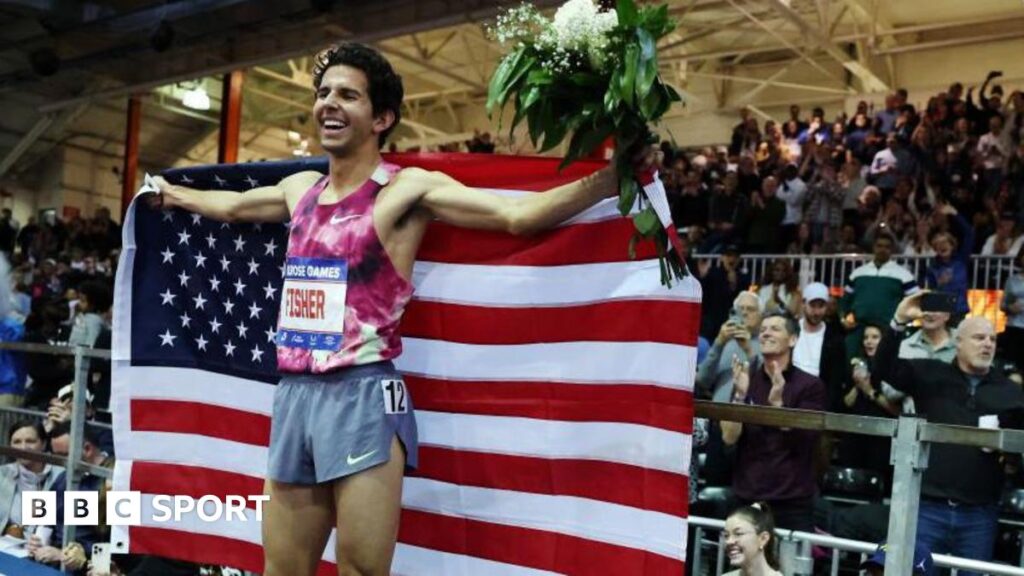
x: 627, y: 192
x: 646, y: 44
x: 554, y: 133
x: 524, y: 102
x: 628, y: 80
x: 535, y: 120
x: 584, y: 141
x: 647, y: 222
x: 500, y: 79
x: 650, y: 104
x: 539, y: 77
x: 627, y: 11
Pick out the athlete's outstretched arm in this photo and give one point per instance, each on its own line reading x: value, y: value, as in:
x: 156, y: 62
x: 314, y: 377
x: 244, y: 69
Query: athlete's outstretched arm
x: 454, y: 203
x: 264, y: 204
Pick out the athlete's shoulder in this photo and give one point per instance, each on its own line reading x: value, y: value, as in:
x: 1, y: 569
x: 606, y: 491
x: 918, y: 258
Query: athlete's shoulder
x: 303, y: 179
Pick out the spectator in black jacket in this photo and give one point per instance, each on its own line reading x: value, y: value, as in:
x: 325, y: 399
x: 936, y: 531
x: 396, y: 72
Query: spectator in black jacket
x: 962, y: 484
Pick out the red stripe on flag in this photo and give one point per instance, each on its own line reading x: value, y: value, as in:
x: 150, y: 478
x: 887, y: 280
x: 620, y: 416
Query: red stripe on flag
x: 585, y: 243
x: 633, y: 486
x: 204, y: 549
x: 623, y: 484
x: 195, y: 481
x: 500, y: 171
x: 536, y: 549
x: 197, y: 418
x: 646, y: 405
x: 601, y: 322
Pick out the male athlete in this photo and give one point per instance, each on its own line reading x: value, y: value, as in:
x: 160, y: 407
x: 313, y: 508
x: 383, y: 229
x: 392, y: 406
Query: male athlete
x: 343, y: 429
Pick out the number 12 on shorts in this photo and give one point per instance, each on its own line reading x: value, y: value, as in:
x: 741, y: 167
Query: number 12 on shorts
x: 395, y: 401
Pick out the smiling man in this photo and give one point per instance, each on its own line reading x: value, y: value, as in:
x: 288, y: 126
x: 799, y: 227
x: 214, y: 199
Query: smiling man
x: 776, y: 465
x: 343, y: 428
x: 962, y: 484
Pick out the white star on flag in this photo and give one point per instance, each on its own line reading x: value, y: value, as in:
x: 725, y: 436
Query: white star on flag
x: 257, y: 354
x: 185, y: 319
x: 184, y: 278
x: 229, y: 306
x: 270, y: 332
x: 210, y: 240
x: 239, y: 287
x: 270, y: 246
x: 269, y: 291
x: 242, y: 329
x: 224, y: 263
x: 183, y: 237
x: 239, y: 243
x: 201, y: 342
x: 200, y: 260
x: 167, y: 339
x: 214, y: 284
x: 254, y: 311
x: 168, y: 256
x: 225, y: 226
x: 185, y: 179
x: 200, y: 301
x: 168, y: 298
x: 229, y: 349
x: 168, y: 216
x: 253, y: 266
x: 196, y: 218
x: 220, y: 181
x: 215, y: 325
x: 252, y: 181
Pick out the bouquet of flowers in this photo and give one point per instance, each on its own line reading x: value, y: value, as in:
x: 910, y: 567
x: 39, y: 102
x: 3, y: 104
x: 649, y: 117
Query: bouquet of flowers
x: 590, y: 74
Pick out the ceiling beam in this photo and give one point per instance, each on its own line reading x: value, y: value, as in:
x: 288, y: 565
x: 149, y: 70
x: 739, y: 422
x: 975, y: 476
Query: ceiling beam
x: 870, y: 81
x: 431, y: 67
x: 772, y: 82
x: 790, y: 45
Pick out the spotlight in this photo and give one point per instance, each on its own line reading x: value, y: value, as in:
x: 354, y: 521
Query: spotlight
x: 44, y: 62
x: 196, y: 98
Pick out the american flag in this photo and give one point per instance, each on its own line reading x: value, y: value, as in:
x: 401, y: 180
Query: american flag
x: 552, y: 379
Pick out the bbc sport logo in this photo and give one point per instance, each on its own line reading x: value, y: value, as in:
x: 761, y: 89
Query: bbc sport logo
x: 82, y: 508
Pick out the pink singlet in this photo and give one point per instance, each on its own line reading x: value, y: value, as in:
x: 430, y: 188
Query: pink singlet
x: 337, y: 268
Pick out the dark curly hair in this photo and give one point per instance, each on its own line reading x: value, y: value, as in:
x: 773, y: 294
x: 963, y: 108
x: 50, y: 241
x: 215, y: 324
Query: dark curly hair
x: 385, y: 86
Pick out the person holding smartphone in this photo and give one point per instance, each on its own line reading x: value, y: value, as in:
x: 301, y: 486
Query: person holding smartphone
x: 961, y: 486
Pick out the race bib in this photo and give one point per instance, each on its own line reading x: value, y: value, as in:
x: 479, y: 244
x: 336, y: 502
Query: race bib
x: 313, y: 304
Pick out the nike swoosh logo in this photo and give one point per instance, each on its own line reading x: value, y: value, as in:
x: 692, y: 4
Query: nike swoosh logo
x: 336, y: 220
x: 353, y: 461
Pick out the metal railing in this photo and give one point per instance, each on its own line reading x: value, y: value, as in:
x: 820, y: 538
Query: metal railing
x: 73, y: 463
x: 911, y: 440
x: 985, y: 272
x: 795, y: 545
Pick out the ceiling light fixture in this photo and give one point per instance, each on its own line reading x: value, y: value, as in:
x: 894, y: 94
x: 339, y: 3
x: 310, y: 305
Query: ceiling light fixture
x: 196, y: 98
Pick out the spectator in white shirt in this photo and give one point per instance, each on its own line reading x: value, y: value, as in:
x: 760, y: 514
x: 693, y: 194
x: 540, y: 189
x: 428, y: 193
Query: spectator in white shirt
x: 1006, y: 241
x: 993, y: 151
x: 792, y: 191
x: 885, y: 164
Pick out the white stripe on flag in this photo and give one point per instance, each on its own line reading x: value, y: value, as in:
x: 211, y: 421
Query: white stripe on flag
x: 669, y: 365
x: 606, y: 209
x: 632, y: 444
x: 539, y: 286
x: 195, y: 450
x: 591, y: 519
x: 192, y: 385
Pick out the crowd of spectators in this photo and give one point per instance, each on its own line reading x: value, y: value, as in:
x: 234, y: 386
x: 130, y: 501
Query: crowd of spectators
x: 817, y: 185
x: 944, y: 181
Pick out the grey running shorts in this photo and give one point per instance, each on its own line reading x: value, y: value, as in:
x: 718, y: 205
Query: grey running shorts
x: 328, y: 426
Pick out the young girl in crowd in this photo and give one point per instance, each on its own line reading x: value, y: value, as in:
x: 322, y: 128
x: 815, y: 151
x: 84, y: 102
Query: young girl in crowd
x: 750, y: 542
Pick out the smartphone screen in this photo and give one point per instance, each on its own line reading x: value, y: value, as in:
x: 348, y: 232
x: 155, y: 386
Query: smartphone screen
x: 937, y: 302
